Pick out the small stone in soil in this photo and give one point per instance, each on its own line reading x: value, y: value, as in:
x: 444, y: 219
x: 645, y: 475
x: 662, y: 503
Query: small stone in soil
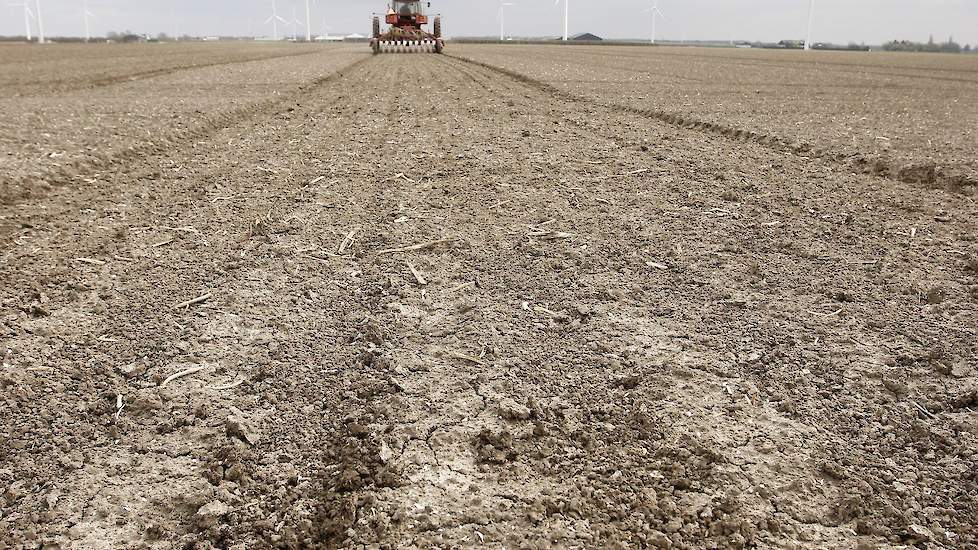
x: 238, y: 425
x: 511, y: 410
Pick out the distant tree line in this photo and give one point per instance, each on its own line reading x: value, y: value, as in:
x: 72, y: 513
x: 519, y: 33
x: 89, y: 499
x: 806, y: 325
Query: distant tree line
x: 800, y: 44
x: 125, y: 36
x: 930, y: 46
x: 129, y: 36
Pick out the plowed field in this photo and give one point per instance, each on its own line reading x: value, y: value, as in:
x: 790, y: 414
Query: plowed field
x: 442, y: 301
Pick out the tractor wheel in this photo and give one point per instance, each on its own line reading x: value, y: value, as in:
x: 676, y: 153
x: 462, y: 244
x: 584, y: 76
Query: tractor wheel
x: 438, y: 27
x: 376, y: 28
x: 438, y: 47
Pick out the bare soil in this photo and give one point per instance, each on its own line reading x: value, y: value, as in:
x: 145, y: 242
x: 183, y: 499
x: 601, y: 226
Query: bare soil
x: 71, y: 111
x: 421, y: 302
x: 906, y: 116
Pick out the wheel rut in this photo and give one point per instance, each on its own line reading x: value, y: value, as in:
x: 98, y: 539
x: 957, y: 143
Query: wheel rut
x: 81, y: 170
x: 64, y: 86
x: 928, y: 174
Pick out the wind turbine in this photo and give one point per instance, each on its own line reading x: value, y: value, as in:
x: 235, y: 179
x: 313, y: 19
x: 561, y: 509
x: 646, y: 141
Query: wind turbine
x: 502, y: 19
x: 295, y: 22
x: 811, y: 15
x: 274, y: 19
x: 654, y: 10
x: 40, y: 22
x: 325, y: 33
x: 566, y: 15
x: 86, y: 15
x: 309, y: 26
x: 28, y: 15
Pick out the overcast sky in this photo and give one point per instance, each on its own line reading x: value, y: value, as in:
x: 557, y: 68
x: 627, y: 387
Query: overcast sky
x: 840, y: 21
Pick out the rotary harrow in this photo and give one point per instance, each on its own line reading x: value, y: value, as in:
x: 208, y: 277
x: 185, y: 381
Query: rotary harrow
x: 405, y: 35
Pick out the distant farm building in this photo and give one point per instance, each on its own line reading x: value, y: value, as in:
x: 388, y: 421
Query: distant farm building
x: 586, y: 37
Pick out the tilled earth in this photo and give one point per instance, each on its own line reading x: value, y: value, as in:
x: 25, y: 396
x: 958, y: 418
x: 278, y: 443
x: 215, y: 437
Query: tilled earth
x: 69, y: 112
x: 906, y: 116
x: 433, y: 304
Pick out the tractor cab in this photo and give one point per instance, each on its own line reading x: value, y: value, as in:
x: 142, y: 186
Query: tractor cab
x: 406, y: 13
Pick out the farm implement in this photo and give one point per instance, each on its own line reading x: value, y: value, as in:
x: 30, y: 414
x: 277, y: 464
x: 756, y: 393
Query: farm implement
x: 406, y: 35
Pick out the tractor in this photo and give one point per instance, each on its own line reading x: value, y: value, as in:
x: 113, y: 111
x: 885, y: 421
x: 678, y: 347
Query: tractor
x: 406, y: 17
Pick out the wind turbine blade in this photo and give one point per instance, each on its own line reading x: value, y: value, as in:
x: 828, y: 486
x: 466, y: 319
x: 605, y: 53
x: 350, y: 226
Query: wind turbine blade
x: 556, y: 2
x: 660, y: 13
x: 280, y: 19
x: 269, y: 20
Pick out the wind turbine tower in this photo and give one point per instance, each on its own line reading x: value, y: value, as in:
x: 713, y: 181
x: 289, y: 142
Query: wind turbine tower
x: 811, y: 15
x: 566, y: 16
x: 28, y: 15
x: 295, y: 25
x: 40, y: 22
x: 86, y: 15
x: 502, y: 19
x: 654, y: 10
x: 274, y: 19
x: 309, y: 21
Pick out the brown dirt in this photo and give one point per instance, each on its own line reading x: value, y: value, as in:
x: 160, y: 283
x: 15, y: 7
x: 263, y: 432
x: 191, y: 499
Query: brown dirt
x: 631, y: 333
x: 73, y: 111
x: 909, y: 117
x: 29, y: 71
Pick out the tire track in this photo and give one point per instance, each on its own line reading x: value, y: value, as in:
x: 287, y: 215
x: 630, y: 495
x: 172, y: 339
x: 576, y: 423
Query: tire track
x: 45, y: 87
x: 730, y: 325
x: 833, y: 66
x: 490, y: 383
x: 231, y: 247
x: 928, y: 174
x: 24, y: 188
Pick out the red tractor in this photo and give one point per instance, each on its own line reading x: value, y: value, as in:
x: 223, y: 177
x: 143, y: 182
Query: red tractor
x: 406, y: 17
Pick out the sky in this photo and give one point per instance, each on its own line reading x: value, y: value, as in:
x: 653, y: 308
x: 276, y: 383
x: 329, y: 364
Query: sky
x: 838, y: 21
